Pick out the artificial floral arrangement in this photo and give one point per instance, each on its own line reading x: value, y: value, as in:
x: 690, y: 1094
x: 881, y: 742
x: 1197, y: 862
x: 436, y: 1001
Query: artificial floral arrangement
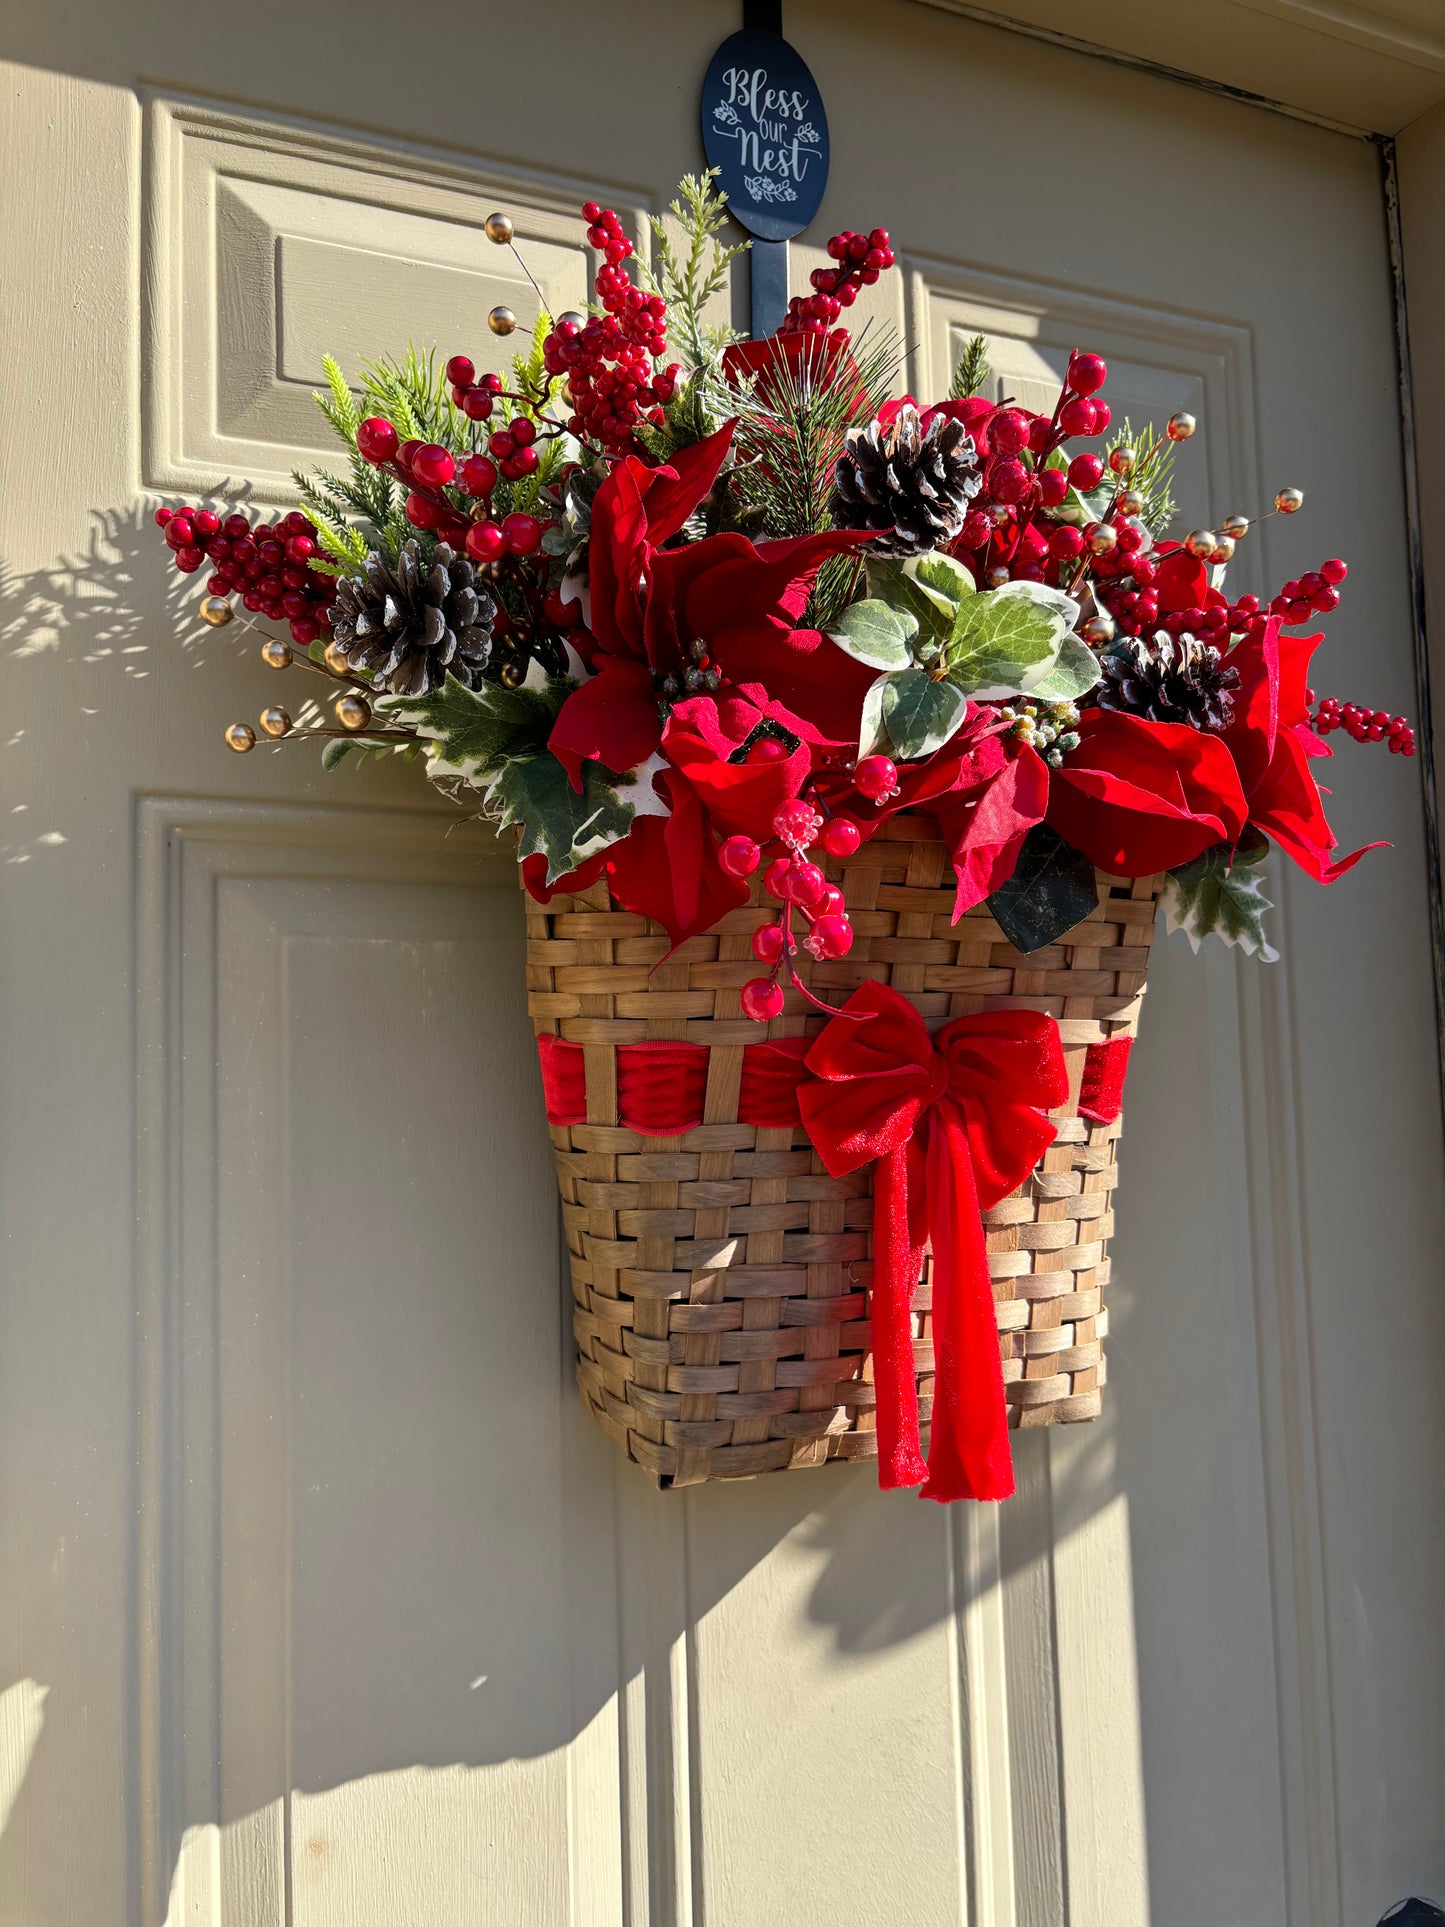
x: 747, y: 651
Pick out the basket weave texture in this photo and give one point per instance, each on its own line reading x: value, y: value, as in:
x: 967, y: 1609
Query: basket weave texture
x: 720, y: 1277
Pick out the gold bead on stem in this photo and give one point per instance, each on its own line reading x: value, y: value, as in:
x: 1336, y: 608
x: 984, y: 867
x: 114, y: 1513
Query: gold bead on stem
x: 579, y: 321
x: 1098, y: 630
x: 276, y: 654
x: 240, y: 737
x: 1289, y: 499
x: 1131, y: 502
x: 1121, y: 460
x: 353, y: 712
x: 275, y: 721
x: 499, y: 229
x: 995, y: 578
x: 1181, y: 426
x: 1223, y: 550
x: 1235, y: 527
x: 335, y: 659
x: 1101, y: 537
x: 568, y: 398
x: 501, y: 321
x: 1201, y: 543
x: 216, y: 611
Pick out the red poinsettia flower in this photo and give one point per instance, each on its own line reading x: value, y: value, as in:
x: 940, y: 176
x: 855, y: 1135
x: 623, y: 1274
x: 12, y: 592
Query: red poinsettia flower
x: 1271, y: 741
x: 1181, y: 581
x: 650, y: 604
x: 668, y: 868
x: 1139, y: 797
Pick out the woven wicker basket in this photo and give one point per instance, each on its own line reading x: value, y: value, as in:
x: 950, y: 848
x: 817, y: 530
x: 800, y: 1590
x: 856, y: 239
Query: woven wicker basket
x: 720, y: 1276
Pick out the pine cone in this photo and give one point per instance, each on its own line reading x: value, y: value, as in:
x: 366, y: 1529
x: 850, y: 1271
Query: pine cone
x: 1168, y: 679
x: 912, y: 484
x: 412, y: 626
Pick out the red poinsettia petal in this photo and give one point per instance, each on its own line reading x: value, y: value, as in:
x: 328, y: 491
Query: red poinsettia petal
x: 681, y: 483
x: 667, y: 869
x: 806, y: 671
x: 611, y: 717
x: 1180, y: 582
x: 534, y: 875
x: 985, y: 827
x: 1139, y: 797
x: 723, y: 587
x: 616, y: 555
x: 1286, y: 806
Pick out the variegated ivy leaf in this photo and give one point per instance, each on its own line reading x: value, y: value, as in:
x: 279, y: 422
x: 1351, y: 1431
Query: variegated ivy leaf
x: 872, y: 631
x: 910, y: 714
x: 998, y: 637
x: 1072, y: 674
x: 1220, y: 891
x: 928, y: 588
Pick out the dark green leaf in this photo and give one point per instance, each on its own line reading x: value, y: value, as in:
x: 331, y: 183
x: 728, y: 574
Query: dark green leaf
x: 1051, y: 890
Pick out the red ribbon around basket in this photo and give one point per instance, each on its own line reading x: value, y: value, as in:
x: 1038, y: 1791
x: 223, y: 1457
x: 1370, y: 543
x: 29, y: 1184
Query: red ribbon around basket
x: 954, y: 1124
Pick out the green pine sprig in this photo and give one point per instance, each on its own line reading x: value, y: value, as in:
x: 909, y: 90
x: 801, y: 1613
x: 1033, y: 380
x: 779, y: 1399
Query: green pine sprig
x: 972, y: 371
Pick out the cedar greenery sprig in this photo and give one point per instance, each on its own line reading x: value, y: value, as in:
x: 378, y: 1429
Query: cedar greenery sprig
x: 689, y: 277
x: 972, y: 371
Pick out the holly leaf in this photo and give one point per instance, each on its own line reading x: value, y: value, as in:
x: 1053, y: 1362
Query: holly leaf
x: 472, y: 734
x: 535, y: 793
x: 1073, y: 673
x: 918, y: 715
x: 997, y: 637
x: 873, y: 632
x: 1220, y: 891
x: 1052, y: 888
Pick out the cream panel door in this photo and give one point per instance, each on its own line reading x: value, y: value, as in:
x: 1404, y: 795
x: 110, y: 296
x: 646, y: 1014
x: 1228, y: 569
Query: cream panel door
x: 321, y: 1602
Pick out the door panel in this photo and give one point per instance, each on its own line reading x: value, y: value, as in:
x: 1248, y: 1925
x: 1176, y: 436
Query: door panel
x: 322, y: 1602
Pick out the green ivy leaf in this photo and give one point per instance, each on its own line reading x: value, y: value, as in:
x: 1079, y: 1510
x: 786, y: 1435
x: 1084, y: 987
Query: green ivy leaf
x: 1052, y: 888
x: 919, y: 715
x: 873, y: 632
x: 931, y: 603
x: 475, y: 733
x: 1220, y: 891
x: 536, y: 793
x: 940, y: 577
x: 999, y: 636
x: 1073, y: 673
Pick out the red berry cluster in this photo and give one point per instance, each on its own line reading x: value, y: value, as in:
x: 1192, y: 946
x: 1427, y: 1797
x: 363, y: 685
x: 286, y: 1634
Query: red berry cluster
x: 1313, y: 594
x: 861, y: 258
x: 999, y: 539
x: 429, y: 470
x: 609, y: 361
x: 270, y: 565
x: 1364, y: 725
x: 475, y: 397
x: 796, y: 882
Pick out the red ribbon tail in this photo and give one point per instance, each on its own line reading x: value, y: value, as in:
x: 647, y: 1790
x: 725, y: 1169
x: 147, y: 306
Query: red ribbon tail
x: 896, y: 1266
x: 968, y: 1450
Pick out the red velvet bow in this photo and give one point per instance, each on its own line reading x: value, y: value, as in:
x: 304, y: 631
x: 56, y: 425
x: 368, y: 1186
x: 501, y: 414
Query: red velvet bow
x: 955, y: 1123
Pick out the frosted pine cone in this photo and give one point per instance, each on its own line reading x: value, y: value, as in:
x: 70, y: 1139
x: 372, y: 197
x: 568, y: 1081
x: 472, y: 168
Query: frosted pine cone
x: 412, y: 626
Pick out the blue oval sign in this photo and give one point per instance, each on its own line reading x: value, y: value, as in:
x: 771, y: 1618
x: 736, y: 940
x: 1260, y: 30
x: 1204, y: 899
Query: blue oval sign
x: 764, y: 129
